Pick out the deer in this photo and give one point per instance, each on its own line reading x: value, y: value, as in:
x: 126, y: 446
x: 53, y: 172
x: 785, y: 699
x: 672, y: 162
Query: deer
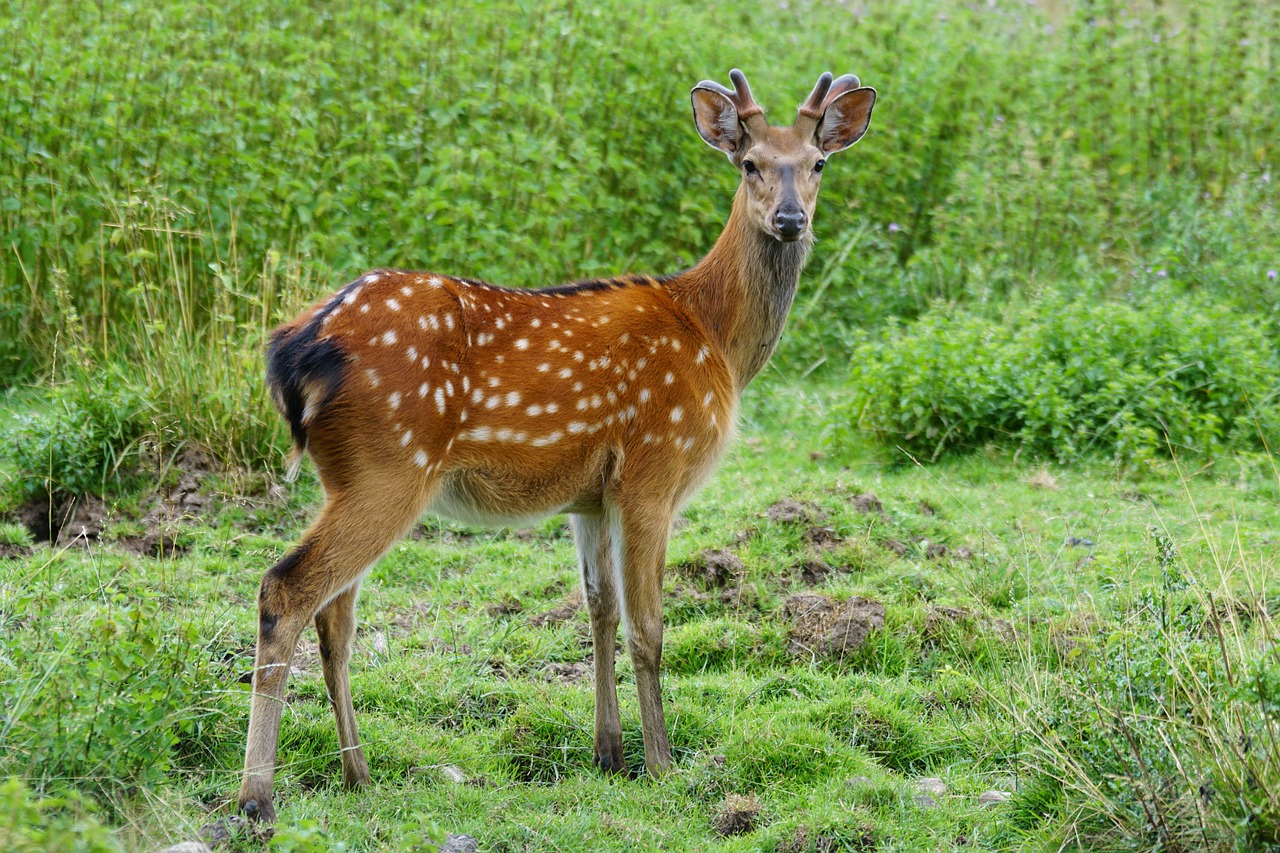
x: 609, y: 400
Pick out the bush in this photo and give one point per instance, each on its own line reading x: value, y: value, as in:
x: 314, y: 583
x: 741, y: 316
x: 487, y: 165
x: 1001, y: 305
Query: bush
x: 101, y: 703
x: 1069, y: 376
x: 88, y: 438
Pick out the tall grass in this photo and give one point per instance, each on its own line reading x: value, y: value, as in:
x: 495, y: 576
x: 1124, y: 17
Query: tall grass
x: 529, y: 142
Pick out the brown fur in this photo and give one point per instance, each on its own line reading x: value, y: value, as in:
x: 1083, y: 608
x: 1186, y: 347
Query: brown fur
x: 610, y: 400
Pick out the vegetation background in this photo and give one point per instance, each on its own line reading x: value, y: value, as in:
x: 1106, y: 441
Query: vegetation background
x: 1043, y: 312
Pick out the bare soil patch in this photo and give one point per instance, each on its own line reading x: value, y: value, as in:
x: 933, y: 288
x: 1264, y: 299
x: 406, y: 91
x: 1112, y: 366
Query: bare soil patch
x: 822, y: 626
x: 712, y: 569
x: 788, y: 511
x: 567, y: 610
x: 737, y: 815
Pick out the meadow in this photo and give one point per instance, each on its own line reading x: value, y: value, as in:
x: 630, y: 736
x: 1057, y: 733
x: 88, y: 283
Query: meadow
x: 1019, y: 439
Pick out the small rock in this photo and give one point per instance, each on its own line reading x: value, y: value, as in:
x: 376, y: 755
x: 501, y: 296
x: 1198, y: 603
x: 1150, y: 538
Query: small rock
x: 993, y: 798
x: 1077, y: 542
x: 187, y: 847
x: 459, y: 844
x: 453, y: 774
x: 860, y: 782
x: 931, y: 785
x: 925, y: 801
x: 936, y: 551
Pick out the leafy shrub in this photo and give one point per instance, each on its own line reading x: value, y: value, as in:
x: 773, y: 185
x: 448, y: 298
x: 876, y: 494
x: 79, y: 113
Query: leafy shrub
x: 1068, y: 376
x: 54, y: 824
x: 89, y: 437
x: 101, y: 702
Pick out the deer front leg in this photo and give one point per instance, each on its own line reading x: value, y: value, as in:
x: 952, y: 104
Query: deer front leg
x: 640, y: 547
x: 599, y: 584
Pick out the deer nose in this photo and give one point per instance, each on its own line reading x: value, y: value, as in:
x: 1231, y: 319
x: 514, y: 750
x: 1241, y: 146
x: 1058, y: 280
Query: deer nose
x: 790, y: 222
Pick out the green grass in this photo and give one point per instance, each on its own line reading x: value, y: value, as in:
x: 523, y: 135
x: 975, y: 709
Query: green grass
x: 984, y: 674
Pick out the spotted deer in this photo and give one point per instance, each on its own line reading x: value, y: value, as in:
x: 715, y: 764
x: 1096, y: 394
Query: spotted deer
x: 607, y: 400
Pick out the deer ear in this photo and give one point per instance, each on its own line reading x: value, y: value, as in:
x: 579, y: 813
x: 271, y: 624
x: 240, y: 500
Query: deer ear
x: 845, y: 120
x: 717, y: 120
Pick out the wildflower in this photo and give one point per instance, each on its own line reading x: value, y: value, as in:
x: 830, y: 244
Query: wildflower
x: 894, y: 228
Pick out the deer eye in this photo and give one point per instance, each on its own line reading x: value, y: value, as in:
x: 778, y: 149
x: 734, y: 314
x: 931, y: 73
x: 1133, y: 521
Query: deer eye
x: 750, y: 168
x: 817, y: 167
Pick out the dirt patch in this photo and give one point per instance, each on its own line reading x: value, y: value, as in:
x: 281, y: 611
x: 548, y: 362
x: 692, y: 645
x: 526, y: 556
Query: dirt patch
x: 895, y: 546
x: 926, y: 508
x: 1043, y: 481
x: 936, y: 551
x: 823, y: 538
x: 567, y: 673
x: 737, y: 815
x: 825, y: 627
x: 713, y: 569
x: 867, y: 503
x: 506, y: 607
x: 813, y: 572
x: 741, y: 597
x: 787, y: 511
x: 940, y: 619
x: 567, y: 610
x: 65, y: 522
x: 10, y: 551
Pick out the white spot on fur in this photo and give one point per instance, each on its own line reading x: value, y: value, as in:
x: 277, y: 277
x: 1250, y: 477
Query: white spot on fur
x: 677, y: 414
x: 706, y: 399
x: 394, y: 400
x: 565, y: 373
x: 393, y: 304
x: 534, y: 411
x: 576, y: 427
x: 412, y: 352
x: 372, y: 376
x: 389, y: 337
x: 406, y: 438
x: 513, y: 398
x: 669, y: 378
x: 440, y: 400
x: 422, y: 390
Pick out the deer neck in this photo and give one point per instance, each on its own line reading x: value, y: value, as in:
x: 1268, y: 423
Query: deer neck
x: 742, y: 290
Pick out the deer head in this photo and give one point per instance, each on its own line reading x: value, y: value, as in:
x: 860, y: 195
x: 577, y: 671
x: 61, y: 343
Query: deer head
x: 782, y: 166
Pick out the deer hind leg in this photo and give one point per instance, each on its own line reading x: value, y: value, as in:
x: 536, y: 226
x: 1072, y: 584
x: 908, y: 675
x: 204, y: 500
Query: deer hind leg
x: 640, y: 547
x: 599, y: 583
x: 336, y: 628
x: 321, y: 573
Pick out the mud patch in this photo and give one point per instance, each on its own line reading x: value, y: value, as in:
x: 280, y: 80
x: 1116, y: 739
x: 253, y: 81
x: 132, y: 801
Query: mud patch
x: 787, y: 511
x: 824, y: 627
x: 566, y: 611
x: 65, y: 522
x: 895, y: 546
x: 712, y: 569
x: 737, y: 815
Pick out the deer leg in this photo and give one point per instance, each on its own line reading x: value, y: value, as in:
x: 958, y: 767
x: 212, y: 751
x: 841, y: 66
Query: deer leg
x: 640, y: 547
x: 348, y: 538
x: 335, y: 628
x: 599, y: 584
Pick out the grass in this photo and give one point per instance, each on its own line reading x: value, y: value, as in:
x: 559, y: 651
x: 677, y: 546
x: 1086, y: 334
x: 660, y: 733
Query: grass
x: 1094, y: 655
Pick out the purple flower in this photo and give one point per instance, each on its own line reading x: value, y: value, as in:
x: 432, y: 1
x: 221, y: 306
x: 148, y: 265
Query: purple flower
x: 1271, y: 275
x: 1162, y: 273
x: 894, y: 228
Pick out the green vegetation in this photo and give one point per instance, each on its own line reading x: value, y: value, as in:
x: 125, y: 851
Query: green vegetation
x: 1067, y: 377
x: 1101, y: 648
x: 1048, y: 276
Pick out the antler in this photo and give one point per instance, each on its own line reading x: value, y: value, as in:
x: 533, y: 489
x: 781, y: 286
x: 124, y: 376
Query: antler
x: 826, y: 91
x: 749, y: 112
